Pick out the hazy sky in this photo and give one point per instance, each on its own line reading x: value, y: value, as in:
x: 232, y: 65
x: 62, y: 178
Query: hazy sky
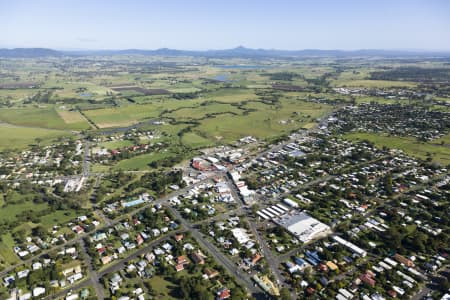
x: 211, y: 24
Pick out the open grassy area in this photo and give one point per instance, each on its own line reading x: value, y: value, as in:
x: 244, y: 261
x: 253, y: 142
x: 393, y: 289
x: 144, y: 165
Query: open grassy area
x: 9, y: 212
x: 189, y: 113
x: 267, y: 121
x: 140, y: 162
x: 409, y: 145
x: 195, y: 141
x: 57, y: 217
x: 7, y: 254
x: 445, y: 139
x: 116, y: 144
x: 13, y: 137
x: 121, y: 116
x: 73, y: 118
x: 38, y: 117
x: 162, y: 287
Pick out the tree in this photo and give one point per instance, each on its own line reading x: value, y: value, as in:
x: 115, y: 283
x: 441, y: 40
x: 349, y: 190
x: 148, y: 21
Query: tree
x: 284, y: 294
x: 388, y: 184
x: 40, y: 231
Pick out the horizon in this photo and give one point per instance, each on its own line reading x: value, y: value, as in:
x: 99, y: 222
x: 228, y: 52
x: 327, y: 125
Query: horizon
x: 200, y: 26
x: 232, y: 48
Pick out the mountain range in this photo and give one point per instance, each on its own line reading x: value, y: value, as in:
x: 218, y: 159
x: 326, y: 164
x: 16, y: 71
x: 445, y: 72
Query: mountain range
x: 226, y: 53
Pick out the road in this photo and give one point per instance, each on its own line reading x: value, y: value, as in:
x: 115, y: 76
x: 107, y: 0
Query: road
x: 94, y: 278
x: 265, y: 251
x: 86, y: 158
x: 220, y: 257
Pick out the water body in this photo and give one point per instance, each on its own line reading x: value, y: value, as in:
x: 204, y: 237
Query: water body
x: 222, y: 77
x: 243, y: 67
x: 85, y: 95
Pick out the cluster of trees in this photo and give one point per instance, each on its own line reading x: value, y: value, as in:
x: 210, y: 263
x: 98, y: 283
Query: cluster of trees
x: 158, y: 181
x: 184, y: 96
x: 41, y: 97
x: 413, y: 74
x: 283, y: 76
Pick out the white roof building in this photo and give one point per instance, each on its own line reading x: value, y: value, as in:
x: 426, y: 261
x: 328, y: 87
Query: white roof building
x: 303, y: 226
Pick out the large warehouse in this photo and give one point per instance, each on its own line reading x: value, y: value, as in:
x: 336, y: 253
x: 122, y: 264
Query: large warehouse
x: 303, y: 226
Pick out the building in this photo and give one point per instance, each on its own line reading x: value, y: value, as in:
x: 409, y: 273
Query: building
x: 403, y: 260
x: 352, y: 247
x: 303, y: 226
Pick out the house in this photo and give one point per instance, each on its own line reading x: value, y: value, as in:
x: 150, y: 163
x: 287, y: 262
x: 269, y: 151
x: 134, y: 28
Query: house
x: 210, y: 273
x: 98, y: 236
x: 179, y: 237
x: 257, y: 257
x: 78, y: 229
x: 332, y: 266
x: 182, y: 260
x: 139, y: 240
x: 367, y: 279
x: 37, y: 266
x: 37, y: 291
x: 150, y: 257
x: 310, y: 290
x: 197, y: 258
x: 403, y: 260
x: 179, y: 267
x: 74, y: 277
x: 392, y: 293
x: 223, y: 293
x: 106, y: 259
x: 72, y: 269
x: 23, y: 273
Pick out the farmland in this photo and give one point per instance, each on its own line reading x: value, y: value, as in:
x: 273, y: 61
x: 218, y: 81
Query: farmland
x: 93, y: 137
x: 14, y: 137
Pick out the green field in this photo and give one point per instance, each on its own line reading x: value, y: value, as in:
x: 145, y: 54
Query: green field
x: 409, y: 145
x: 162, y: 287
x: 13, y: 137
x: 115, y: 144
x: 195, y: 141
x: 39, y: 117
x: 267, y: 121
x: 6, y: 250
x: 140, y: 162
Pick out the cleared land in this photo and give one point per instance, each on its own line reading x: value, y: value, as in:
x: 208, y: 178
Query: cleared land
x: 410, y: 146
x: 42, y: 118
x: 13, y: 137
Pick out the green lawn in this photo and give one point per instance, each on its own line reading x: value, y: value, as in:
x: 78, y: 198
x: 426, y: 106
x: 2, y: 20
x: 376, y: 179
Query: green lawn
x: 140, y: 162
x: 409, y: 145
x: 162, y: 287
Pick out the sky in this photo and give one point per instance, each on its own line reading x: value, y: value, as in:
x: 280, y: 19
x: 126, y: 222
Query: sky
x: 212, y: 24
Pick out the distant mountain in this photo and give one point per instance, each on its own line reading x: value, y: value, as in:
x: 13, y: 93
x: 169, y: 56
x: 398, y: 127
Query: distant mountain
x: 29, y: 52
x: 226, y: 53
x: 255, y: 53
